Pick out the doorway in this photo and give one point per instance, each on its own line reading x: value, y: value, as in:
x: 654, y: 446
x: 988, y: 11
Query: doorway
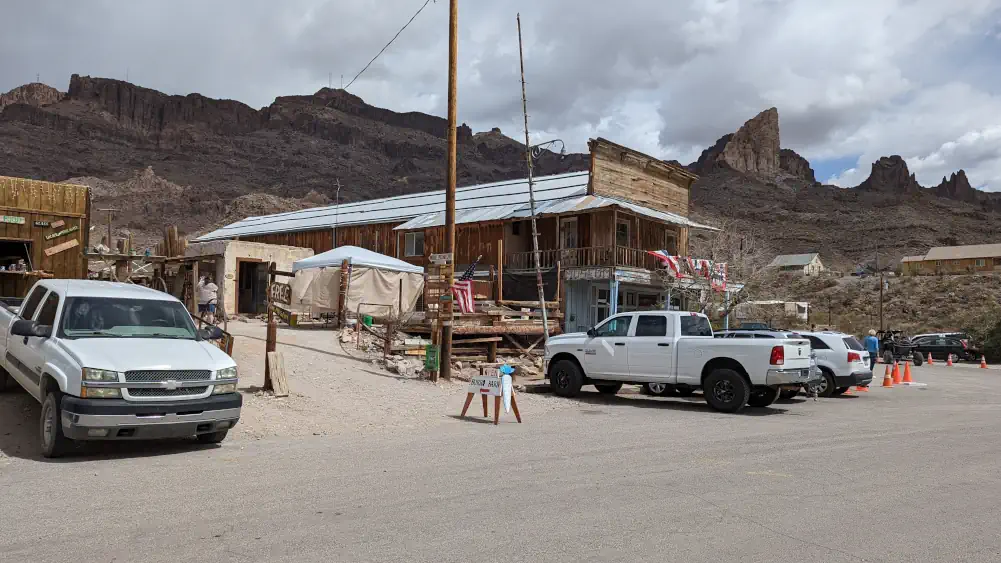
x: 15, y: 255
x: 251, y: 292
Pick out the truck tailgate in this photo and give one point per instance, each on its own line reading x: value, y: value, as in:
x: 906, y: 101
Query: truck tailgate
x: 797, y: 353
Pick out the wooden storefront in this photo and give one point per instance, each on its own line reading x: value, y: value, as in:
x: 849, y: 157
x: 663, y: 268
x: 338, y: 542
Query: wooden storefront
x: 45, y: 225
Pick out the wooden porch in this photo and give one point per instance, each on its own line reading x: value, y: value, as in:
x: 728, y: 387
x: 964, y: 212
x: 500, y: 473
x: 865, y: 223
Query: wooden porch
x: 610, y: 256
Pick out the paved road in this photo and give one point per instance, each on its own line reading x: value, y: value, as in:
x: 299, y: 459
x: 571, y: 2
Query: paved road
x: 894, y: 475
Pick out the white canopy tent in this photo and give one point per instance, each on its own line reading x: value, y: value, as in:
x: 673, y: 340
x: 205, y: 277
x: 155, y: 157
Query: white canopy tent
x: 378, y: 285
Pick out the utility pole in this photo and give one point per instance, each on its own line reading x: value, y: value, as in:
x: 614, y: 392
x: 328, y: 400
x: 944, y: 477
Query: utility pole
x: 446, y: 307
x: 337, y: 211
x: 880, y: 272
x: 830, y: 322
x: 531, y: 191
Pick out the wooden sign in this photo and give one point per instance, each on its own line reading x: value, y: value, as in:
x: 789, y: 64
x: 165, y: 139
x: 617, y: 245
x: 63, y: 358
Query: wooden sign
x: 281, y: 293
x: 442, y: 258
x: 588, y: 274
x: 12, y: 219
x: 490, y: 383
x: 63, y: 232
x: 58, y: 224
x: 41, y: 223
x: 61, y: 247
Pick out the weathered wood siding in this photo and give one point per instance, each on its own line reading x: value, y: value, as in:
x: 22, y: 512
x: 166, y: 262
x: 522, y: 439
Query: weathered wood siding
x: 623, y: 173
x: 319, y: 241
x: 961, y: 266
x: 471, y: 240
x: 379, y: 238
x: 48, y: 202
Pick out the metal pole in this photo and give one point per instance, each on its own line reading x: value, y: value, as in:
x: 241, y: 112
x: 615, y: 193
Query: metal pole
x: 531, y: 191
x: 337, y: 213
x: 447, y: 312
x: 880, y: 301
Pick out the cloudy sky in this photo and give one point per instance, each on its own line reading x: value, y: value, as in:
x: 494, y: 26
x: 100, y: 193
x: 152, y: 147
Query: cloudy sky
x: 853, y: 79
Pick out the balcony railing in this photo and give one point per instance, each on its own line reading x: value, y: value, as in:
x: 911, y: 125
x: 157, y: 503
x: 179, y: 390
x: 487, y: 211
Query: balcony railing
x: 612, y: 256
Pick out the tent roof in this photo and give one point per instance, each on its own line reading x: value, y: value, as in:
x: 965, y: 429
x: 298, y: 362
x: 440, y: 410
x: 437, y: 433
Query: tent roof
x: 357, y: 257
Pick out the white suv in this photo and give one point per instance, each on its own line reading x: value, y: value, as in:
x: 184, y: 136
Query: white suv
x: 842, y: 360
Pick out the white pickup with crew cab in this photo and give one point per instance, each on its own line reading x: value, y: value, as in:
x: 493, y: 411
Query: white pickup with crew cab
x: 677, y: 351
x: 111, y: 361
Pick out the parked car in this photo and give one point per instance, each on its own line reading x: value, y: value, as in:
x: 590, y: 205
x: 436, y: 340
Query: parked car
x: 816, y: 378
x: 963, y: 337
x: 113, y: 361
x: 678, y: 350
x: 842, y: 361
x: 941, y: 347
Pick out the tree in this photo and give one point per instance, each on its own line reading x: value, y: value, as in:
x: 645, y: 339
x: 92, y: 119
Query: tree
x: 745, y: 264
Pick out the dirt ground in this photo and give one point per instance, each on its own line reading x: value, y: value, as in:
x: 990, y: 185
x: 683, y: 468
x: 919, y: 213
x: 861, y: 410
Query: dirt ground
x: 338, y: 388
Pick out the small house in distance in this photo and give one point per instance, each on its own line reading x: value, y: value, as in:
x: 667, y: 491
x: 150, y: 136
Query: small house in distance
x: 969, y: 259
x: 802, y: 264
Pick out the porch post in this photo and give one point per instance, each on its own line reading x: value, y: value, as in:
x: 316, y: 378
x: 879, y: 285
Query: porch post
x: 613, y: 295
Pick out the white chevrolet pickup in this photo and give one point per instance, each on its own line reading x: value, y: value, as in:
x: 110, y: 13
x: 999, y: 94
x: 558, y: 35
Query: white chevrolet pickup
x: 111, y: 361
x: 677, y: 351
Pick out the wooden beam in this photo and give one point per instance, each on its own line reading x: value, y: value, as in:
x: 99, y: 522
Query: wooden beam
x: 500, y: 270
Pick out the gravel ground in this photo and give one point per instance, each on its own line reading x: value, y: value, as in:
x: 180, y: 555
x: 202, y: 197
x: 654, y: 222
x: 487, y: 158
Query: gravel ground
x: 337, y: 388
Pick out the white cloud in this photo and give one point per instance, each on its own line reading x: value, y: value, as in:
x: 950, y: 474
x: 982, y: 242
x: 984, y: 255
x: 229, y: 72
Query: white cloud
x: 869, y: 77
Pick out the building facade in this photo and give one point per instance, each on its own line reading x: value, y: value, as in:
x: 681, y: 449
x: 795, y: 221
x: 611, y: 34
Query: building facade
x: 594, y: 231
x: 800, y: 264
x: 940, y: 260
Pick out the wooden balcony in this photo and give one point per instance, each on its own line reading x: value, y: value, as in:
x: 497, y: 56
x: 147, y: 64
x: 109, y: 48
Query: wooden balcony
x: 611, y: 256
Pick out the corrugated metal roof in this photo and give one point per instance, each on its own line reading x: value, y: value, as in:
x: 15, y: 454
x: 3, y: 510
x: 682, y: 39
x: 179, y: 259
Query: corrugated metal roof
x: 551, y: 207
x: 404, y: 207
x: 912, y: 259
x: 964, y: 252
x: 784, y: 260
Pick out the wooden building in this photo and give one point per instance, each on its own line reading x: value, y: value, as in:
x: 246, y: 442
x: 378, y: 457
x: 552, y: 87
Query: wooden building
x: 969, y: 259
x: 799, y: 264
x: 595, y: 229
x: 43, y: 232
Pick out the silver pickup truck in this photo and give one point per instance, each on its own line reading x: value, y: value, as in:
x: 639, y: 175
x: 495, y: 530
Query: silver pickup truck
x: 113, y: 361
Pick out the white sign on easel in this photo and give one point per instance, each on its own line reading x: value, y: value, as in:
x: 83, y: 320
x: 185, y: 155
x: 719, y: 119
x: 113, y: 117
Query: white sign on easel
x: 493, y: 384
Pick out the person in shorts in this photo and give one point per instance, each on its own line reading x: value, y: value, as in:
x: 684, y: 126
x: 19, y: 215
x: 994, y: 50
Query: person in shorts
x: 208, y: 296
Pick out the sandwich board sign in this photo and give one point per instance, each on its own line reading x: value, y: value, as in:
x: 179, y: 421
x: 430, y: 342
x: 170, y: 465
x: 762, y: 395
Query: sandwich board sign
x: 493, y: 383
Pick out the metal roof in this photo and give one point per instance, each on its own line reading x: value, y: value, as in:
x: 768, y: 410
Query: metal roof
x: 549, y: 207
x: 784, y: 260
x: 964, y: 252
x: 912, y: 259
x: 405, y: 207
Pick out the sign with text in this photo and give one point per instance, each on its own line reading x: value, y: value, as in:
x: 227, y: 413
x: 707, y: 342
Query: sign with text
x: 573, y: 274
x: 489, y: 384
x: 442, y: 258
x: 63, y: 232
x: 12, y: 219
x: 281, y: 293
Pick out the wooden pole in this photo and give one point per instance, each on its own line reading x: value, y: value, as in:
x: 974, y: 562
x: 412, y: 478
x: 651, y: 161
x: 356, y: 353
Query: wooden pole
x: 194, y: 288
x: 531, y: 191
x: 447, y: 309
x: 500, y: 271
x: 342, y: 295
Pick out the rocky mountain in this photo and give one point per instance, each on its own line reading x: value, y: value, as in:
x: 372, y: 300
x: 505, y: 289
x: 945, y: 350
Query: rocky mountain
x: 34, y: 94
x: 224, y: 149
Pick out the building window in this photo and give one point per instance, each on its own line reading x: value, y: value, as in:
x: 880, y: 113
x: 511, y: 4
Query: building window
x: 671, y: 243
x: 414, y: 244
x: 981, y: 262
x: 957, y: 262
x: 516, y: 228
x: 622, y: 233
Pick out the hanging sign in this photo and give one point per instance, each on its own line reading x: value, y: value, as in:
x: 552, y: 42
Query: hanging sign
x: 12, y: 219
x: 59, y: 223
x: 63, y: 232
x: 41, y: 223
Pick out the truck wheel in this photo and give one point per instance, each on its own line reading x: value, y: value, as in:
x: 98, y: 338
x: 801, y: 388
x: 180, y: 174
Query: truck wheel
x: 918, y: 360
x: 565, y: 378
x: 658, y: 389
x: 608, y: 388
x: 826, y: 386
x: 54, y: 443
x: 787, y: 394
x: 763, y: 396
x: 212, y: 437
x: 726, y: 390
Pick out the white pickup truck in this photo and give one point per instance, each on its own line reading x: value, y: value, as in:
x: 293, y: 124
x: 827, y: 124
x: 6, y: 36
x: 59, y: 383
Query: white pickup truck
x: 677, y: 350
x: 112, y: 361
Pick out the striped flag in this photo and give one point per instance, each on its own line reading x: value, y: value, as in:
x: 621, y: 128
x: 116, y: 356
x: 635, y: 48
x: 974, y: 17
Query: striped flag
x: 462, y: 288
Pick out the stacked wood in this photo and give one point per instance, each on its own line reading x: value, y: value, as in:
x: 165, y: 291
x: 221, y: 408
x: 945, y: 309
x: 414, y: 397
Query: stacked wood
x: 172, y: 245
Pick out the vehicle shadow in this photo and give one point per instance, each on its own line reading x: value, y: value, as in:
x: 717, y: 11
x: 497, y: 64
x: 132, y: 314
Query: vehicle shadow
x: 19, y: 437
x: 693, y: 403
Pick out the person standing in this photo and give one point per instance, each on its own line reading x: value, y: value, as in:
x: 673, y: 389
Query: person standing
x: 872, y: 346
x: 208, y: 295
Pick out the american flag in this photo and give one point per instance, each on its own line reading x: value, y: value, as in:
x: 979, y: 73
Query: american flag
x: 462, y: 288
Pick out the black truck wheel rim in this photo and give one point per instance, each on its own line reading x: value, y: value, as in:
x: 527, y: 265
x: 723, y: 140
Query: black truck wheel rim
x: 723, y: 391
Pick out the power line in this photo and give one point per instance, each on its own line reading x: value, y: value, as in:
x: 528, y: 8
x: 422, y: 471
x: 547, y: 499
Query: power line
x: 388, y: 44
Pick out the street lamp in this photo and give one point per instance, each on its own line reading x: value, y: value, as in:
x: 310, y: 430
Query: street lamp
x: 537, y: 150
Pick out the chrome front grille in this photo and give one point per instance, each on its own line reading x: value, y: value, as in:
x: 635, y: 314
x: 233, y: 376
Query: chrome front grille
x: 153, y: 392
x: 156, y: 376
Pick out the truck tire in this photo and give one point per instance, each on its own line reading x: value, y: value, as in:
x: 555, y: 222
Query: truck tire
x: 212, y: 437
x: 608, y: 388
x: 726, y: 390
x: 54, y: 443
x: 658, y: 389
x: 918, y: 360
x: 565, y: 378
x: 763, y: 396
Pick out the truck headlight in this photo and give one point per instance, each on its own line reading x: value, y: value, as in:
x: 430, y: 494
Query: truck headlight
x: 224, y: 388
x: 91, y: 374
x: 226, y: 373
x: 101, y: 393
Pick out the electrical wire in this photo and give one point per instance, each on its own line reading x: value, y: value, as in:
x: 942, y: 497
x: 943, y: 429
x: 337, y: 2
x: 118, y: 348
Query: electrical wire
x: 388, y: 44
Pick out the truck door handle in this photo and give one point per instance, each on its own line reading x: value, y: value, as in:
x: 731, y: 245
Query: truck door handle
x: 26, y: 340
x: 664, y: 344
x: 620, y: 343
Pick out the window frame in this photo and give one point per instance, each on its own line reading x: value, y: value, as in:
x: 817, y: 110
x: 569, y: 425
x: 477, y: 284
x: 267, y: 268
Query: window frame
x: 45, y: 303
x: 628, y: 233
x: 702, y: 319
x: 660, y: 318
x: 41, y: 291
x: 629, y: 325
x: 410, y: 244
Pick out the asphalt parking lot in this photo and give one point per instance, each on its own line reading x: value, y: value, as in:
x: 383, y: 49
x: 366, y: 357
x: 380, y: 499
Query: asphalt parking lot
x: 902, y: 474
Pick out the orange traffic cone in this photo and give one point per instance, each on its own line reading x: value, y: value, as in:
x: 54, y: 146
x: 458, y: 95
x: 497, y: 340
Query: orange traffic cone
x: 907, y: 373
x: 896, y: 374
x: 983, y: 362
x: 861, y: 388
x: 887, y: 379
x: 948, y: 362
x: 848, y: 393
x: 931, y: 360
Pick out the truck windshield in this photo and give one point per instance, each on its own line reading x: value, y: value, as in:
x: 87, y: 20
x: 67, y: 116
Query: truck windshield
x: 104, y: 317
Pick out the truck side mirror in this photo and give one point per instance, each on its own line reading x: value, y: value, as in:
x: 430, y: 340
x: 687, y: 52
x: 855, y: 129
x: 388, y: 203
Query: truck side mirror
x: 211, y: 333
x: 591, y: 333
